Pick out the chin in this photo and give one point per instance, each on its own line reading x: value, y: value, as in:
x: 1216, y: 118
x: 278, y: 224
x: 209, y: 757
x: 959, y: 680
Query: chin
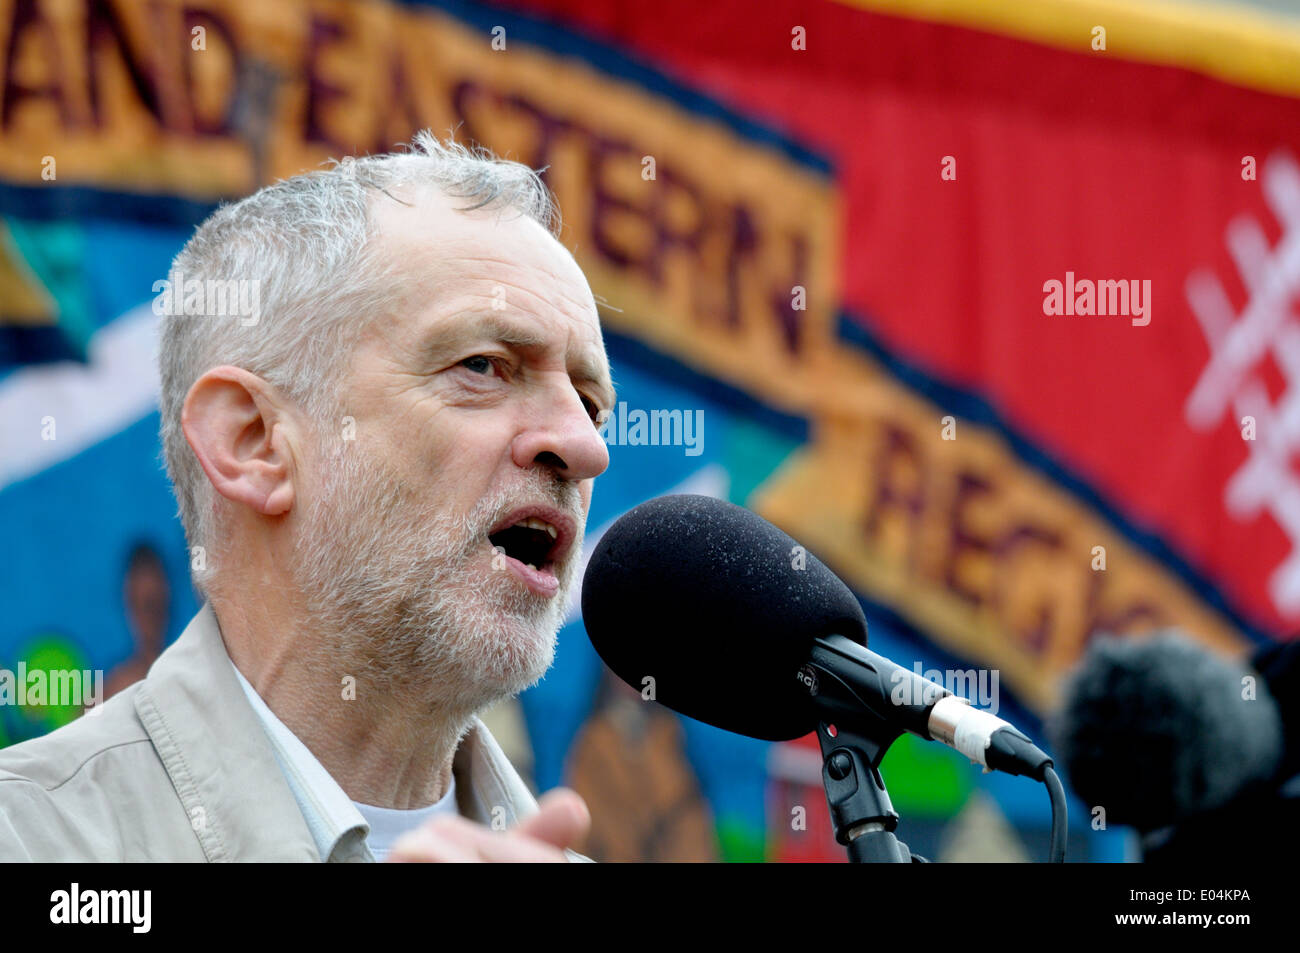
x: 516, y: 654
x: 534, y: 651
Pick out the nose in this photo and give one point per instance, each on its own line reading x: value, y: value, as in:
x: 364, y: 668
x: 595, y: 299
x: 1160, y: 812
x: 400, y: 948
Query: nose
x: 560, y: 434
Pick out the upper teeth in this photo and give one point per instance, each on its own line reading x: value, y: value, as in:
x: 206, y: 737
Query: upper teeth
x: 534, y: 523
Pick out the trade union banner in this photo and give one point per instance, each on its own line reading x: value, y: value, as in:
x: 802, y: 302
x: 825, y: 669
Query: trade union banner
x: 992, y: 309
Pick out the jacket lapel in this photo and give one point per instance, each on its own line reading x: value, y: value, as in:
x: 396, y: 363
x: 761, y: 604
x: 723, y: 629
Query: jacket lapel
x: 217, y: 754
x: 488, y: 787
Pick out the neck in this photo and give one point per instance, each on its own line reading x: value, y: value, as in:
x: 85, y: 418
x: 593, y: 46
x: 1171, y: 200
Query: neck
x: 388, y: 742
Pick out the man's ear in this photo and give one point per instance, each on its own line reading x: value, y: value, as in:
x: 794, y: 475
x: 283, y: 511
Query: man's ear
x: 237, y: 428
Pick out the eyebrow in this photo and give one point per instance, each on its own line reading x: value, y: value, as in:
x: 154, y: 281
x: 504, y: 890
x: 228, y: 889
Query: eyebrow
x: 503, y: 331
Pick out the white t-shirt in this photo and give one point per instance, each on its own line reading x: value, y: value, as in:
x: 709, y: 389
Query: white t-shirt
x: 388, y: 824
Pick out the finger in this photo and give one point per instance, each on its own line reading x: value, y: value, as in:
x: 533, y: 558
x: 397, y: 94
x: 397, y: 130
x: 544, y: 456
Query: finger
x: 431, y: 844
x: 515, y: 848
x: 454, y: 839
x: 562, y: 819
x: 494, y: 846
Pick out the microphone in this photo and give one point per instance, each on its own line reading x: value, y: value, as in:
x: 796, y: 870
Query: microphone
x: 722, y: 617
x: 1159, y: 729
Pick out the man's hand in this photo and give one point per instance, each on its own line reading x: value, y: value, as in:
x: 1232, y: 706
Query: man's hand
x: 561, y: 821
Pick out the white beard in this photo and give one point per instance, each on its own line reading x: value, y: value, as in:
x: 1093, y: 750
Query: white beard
x: 410, y: 595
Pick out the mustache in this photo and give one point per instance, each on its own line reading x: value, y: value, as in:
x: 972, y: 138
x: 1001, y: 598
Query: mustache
x: 562, y: 495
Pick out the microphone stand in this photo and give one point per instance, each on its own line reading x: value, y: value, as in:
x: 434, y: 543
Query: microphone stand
x: 861, y: 814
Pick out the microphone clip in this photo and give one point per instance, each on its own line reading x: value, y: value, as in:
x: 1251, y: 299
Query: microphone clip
x: 862, y: 816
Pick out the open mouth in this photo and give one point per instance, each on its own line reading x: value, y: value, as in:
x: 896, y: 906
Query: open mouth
x: 530, y: 540
x: 535, y: 540
x: 534, y: 536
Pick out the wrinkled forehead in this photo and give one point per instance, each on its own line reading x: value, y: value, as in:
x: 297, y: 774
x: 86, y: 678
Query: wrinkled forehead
x: 454, y: 263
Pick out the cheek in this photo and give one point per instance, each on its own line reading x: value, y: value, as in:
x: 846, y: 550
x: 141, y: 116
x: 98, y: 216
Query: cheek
x: 463, y: 452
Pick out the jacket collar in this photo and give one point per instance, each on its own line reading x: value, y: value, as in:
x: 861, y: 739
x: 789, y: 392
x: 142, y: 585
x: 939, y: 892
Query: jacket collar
x: 223, y: 767
x: 216, y: 753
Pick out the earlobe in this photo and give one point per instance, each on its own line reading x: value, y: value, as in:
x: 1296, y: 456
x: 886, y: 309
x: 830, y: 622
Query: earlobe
x: 233, y: 423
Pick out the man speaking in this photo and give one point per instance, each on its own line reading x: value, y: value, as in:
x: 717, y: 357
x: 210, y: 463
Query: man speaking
x: 384, y: 471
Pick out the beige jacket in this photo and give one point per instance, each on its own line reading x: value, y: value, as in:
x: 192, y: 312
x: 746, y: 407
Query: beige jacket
x: 178, y: 768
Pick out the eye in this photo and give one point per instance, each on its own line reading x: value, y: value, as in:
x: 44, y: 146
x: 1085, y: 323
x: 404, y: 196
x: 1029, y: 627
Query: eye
x: 478, y: 364
x: 592, y: 410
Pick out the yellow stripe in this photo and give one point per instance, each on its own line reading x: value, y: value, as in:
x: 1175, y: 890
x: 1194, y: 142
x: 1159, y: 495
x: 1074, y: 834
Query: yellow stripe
x: 1243, y: 46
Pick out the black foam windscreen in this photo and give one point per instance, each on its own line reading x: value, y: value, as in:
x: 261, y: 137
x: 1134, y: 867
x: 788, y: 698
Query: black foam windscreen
x: 1158, y: 728
x: 714, y: 609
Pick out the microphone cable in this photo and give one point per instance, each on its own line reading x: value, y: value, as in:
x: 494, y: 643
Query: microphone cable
x: 1060, y: 829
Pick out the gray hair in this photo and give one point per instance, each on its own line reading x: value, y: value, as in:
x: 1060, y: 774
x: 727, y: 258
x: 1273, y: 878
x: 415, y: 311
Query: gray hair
x: 306, y: 247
